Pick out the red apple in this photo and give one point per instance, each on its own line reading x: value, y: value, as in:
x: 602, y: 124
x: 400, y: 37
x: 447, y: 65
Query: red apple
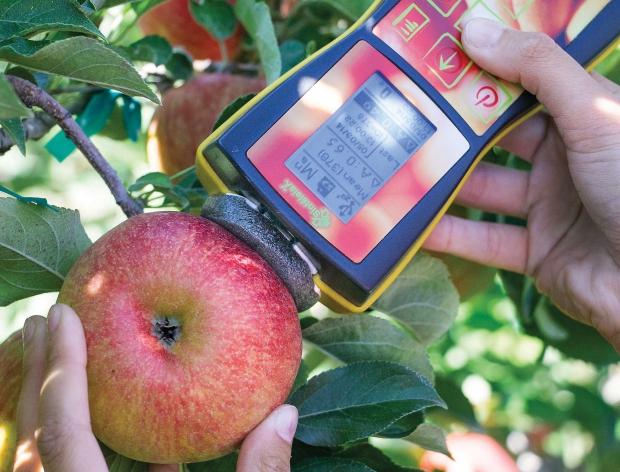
x: 11, y: 375
x: 188, y: 115
x: 192, y: 338
x: 173, y: 21
x: 472, y: 452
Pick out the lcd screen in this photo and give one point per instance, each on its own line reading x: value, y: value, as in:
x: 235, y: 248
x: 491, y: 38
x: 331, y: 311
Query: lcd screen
x: 360, y: 147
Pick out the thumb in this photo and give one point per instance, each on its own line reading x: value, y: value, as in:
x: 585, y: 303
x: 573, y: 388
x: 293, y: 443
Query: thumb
x: 572, y: 97
x: 268, y: 447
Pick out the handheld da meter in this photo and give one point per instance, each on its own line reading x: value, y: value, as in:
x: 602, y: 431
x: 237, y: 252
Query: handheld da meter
x: 354, y: 155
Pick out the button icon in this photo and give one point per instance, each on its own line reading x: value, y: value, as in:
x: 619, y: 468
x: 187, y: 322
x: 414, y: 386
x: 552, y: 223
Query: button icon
x: 448, y: 60
x: 510, y: 5
x: 486, y: 97
x: 410, y: 22
x: 445, y: 7
x: 478, y: 10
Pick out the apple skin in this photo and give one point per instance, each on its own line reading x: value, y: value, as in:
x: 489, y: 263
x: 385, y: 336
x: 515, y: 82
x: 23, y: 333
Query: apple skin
x: 11, y: 354
x: 187, y: 116
x: 235, y: 360
x: 173, y: 21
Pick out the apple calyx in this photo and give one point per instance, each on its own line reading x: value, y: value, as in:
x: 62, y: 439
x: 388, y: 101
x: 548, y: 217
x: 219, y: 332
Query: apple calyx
x: 167, y: 331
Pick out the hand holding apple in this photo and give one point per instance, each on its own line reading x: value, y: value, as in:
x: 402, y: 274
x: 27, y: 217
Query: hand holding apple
x: 60, y: 415
x: 192, y: 338
x: 11, y: 375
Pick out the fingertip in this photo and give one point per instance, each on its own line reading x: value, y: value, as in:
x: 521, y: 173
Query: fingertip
x: 286, y: 417
x: 30, y: 328
x: 268, y: 446
x: 482, y: 33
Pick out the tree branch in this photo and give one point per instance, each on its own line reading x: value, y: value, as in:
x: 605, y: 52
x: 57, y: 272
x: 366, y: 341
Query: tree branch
x: 32, y: 95
x: 39, y: 125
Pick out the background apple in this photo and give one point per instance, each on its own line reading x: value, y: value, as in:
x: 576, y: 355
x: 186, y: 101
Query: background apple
x: 472, y: 452
x: 10, y: 387
x: 173, y: 20
x: 188, y: 115
x: 192, y: 338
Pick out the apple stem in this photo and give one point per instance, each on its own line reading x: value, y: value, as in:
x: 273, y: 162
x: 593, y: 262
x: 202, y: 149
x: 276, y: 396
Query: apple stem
x: 183, y: 173
x: 32, y: 95
x: 224, y: 51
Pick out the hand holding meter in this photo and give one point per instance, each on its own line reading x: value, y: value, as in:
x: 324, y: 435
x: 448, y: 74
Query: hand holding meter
x: 356, y: 153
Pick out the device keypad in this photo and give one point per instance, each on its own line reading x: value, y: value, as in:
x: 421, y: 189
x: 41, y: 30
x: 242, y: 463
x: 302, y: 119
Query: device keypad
x: 427, y: 34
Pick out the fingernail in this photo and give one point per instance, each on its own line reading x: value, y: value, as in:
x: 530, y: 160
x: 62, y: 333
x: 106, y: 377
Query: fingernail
x: 53, y: 317
x: 286, y: 422
x: 29, y: 326
x: 482, y: 33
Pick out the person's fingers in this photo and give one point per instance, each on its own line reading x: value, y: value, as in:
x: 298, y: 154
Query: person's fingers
x: 493, y: 244
x: 64, y: 436
x: 610, y: 86
x: 525, y: 140
x: 33, y: 366
x: 268, y: 447
x: 496, y: 189
x: 543, y: 68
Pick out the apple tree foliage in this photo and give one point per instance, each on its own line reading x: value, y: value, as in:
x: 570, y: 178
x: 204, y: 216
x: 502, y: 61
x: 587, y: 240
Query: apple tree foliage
x: 362, y: 377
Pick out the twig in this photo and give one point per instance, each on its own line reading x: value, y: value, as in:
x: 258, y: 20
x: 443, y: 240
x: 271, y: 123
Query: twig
x: 32, y: 95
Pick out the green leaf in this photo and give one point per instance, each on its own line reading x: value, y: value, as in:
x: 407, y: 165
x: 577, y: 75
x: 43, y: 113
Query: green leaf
x: 231, y: 109
x: 10, y: 104
x: 156, y: 179
x: 108, y: 454
x: 124, y: 464
x: 193, y: 188
x: 139, y: 7
x: 373, y: 458
x: 430, y: 437
x: 329, y: 464
x: 178, y: 195
x: 358, y: 400
x: 223, y: 464
x: 22, y: 73
x: 368, y: 338
x: 132, y: 117
x: 216, y: 16
x: 571, y: 337
x: 92, y: 120
x: 78, y: 58
x: 301, y: 377
x: 153, y: 49
x: 353, y: 9
x: 422, y: 298
x: 15, y: 129
x: 307, y: 321
x: 29, y: 17
x: 180, y: 66
x: 292, y: 52
x: 38, y: 201
x: 96, y: 4
x: 459, y: 408
x: 37, y: 248
x: 256, y: 19
x: 403, y: 426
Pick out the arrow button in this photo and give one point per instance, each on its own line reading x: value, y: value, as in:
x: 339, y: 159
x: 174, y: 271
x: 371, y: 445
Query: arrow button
x: 448, y: 61
x: 445, y: 64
